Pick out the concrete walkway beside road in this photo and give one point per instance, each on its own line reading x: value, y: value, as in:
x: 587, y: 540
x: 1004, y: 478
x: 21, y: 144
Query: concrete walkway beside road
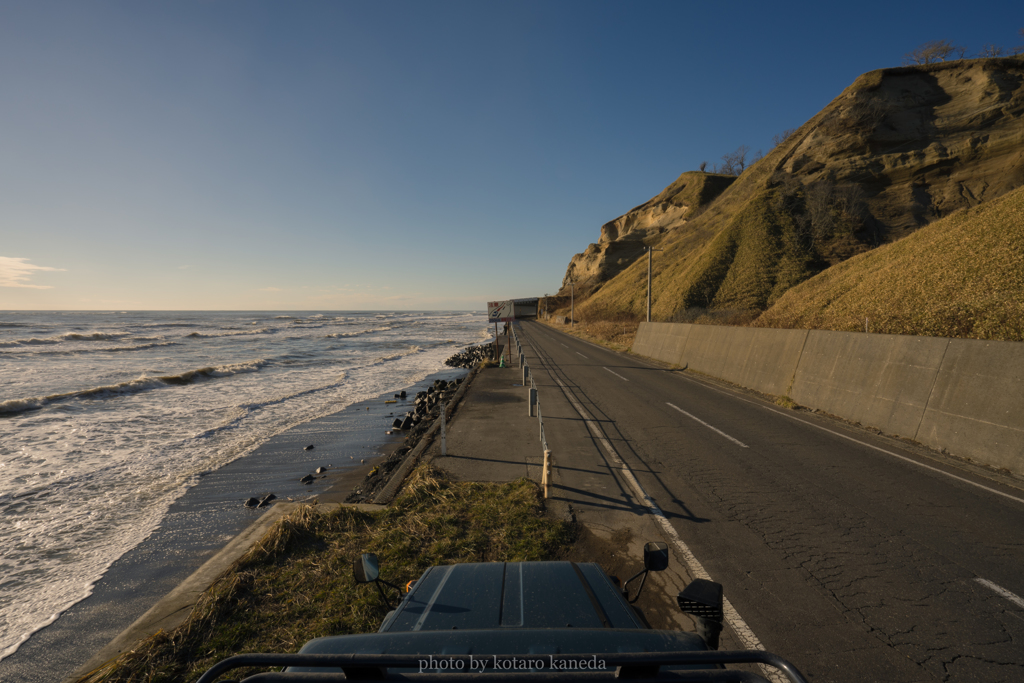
x: 492, y: 438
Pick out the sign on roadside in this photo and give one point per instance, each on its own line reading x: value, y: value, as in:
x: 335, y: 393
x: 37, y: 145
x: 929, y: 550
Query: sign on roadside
x: 500, y: 311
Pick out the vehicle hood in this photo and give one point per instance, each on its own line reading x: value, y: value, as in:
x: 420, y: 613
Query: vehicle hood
x: 512, y: 595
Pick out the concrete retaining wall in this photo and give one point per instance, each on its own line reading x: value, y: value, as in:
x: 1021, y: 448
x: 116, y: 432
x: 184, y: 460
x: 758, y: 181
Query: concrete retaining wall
x: 964, y: 395
x: 976, y: 407
x: 878, y: 380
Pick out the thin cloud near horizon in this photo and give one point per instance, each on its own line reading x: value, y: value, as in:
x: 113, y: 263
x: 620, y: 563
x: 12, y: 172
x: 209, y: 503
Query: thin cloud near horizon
x: 15, y: 272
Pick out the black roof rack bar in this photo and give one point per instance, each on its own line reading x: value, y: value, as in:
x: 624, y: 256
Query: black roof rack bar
x: 698, y: 676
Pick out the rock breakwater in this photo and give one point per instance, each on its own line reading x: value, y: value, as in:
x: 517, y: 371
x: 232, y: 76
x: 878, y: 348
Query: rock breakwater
x: 471, y: 356
x: 426, y: 411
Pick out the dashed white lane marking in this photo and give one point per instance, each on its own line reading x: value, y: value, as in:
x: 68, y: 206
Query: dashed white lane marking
x: 1012, y: 597
x: 744, y: 632
x: 617, y: 375
x: 864, y: 443
x: 714, y: 429
x: 581, y: 355
x: 563, y: 344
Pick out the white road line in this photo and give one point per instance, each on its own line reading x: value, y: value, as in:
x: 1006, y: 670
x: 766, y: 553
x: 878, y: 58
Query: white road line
x: 714, y: 429
x: 617, y: 375
x: 744, y: 632
x: 563, y: 344
x: 1012, y: 597
x: 864, y: 443
x: 581, y: 355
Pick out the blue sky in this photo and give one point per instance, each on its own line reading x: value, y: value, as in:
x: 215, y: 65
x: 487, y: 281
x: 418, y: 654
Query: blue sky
x: 389, y: 155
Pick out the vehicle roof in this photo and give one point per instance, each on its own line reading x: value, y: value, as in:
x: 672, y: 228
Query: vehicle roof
x: 487, y: 595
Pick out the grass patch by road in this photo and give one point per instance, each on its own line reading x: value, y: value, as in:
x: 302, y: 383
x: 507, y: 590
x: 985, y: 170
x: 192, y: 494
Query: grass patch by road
x: 296, y: 583
x: 616, y: 334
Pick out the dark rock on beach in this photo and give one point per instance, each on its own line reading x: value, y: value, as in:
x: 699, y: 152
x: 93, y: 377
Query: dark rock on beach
x: 379, y: 476
x: 259, y: 503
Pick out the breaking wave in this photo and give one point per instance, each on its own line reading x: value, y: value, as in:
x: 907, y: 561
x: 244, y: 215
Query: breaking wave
x: 143, y: 383
x: 396, y: 356
x: 68, y: 336
x: 105, y: 349
x: 336, y: 335
x: 242, y: 333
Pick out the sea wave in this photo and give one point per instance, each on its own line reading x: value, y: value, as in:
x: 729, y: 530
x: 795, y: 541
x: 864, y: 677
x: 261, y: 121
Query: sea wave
x: 242, y: 333
x: 89, y: 336
x: 337, y: 335
x: 80, y: 352
x: 60, y: 338
x: 143, y: 383
x: 246, y: 409
x: 396, y: 356
x: 29, y: 342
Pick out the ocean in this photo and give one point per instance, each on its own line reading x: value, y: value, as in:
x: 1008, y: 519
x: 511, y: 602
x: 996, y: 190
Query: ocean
x: 107, y: 418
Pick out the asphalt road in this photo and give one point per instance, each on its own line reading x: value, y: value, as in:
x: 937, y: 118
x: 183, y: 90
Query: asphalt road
x: 855, y: 556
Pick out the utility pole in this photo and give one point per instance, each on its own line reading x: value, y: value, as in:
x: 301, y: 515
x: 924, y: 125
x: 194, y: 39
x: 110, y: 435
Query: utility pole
x: 572, y: 304
x: 650, y: 251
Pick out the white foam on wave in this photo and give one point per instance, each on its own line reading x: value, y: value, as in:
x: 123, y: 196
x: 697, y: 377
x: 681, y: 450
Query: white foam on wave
x: 241, y: 333
x: 80, y: 352
x: 358, y: 333
x: 93, y: 482
x: 395, y: 356
x: 29, y: 342
x: 89, y: 336
x: 142, y: 383
x: 19, y: 405
x: 61, y: 338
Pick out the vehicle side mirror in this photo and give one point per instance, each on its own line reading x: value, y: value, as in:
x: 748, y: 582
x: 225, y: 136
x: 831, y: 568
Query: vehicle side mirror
x: 656, y: 556
x: 655, y: 560
x: 366, y: 568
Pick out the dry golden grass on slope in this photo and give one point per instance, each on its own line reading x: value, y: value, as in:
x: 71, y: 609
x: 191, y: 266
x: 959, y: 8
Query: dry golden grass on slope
x: 962, y: 276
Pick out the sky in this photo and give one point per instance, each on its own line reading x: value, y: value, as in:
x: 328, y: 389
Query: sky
x: 389, y: 155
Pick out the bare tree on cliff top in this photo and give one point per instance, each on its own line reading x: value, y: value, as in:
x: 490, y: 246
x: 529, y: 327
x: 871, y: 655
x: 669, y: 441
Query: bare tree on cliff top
x: 779, y: 138
x: 733, y: 163
x: 931, y: 52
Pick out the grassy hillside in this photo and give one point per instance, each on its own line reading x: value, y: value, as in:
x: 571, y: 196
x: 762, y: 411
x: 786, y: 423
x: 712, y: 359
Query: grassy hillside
x: 962, y: 276
x: 695, y: 189
x: 895, y: 152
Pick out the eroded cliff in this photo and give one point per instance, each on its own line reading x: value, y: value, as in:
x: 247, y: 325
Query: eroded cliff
x: 897, y: 150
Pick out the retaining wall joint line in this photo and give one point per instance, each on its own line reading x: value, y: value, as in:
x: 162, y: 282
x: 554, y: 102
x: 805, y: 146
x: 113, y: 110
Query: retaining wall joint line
x: 931, y: 389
